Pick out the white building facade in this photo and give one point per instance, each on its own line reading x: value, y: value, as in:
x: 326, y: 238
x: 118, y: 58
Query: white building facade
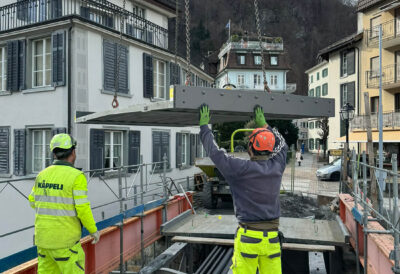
x: 63, y: 59
x: 336, y: 76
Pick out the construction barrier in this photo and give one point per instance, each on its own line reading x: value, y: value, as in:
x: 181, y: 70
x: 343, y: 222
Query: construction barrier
x: 105, y: 255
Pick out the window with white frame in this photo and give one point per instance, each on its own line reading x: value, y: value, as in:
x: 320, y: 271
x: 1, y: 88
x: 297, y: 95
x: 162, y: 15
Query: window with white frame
x: 240, y: 80
x: 139, y: 11
x: 274, y: 60
x: 344, y: 64
x: 274, y: 80
x: 41, y: 63
x: 185, y: 149
x: 113, y: 143
x: 242, y: 59
x: 3, y: 68
x: 159, y: 79
x: 257, y: 59
x: 257, y: 80
x: 41, y: 155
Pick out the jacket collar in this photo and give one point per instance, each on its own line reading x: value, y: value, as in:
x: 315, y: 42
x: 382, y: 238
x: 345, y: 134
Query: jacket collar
x: 62, y: 163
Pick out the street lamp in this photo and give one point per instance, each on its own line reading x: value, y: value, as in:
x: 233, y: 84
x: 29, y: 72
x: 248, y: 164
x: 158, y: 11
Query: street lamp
x: 347, y: 114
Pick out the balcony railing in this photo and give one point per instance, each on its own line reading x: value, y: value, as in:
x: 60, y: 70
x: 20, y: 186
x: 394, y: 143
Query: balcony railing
x: 390, y: 30
x: 100, y: 12
x: 390, y: 76
x: 390, y: 120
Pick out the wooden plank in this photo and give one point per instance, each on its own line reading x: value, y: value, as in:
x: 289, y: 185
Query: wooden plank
x: 229, y: 242
x: 295, y: 230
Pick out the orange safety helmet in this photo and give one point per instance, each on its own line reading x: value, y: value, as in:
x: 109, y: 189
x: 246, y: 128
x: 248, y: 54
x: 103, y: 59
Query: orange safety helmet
x: 262, y: 139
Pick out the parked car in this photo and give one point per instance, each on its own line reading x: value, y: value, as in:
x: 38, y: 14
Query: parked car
x: 330, y: 171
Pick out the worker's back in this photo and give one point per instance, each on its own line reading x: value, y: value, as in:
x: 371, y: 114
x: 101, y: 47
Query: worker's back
x: 56, y: 222
x: 255, y: 184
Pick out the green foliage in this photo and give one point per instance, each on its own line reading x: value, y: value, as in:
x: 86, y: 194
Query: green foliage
x: 288, y: 130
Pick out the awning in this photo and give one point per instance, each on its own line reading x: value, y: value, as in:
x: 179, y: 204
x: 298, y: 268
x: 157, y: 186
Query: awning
x: 361, y: 137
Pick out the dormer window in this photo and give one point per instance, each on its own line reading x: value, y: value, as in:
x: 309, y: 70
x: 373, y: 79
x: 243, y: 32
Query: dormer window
x: 274, y: 60
x: 242, y: 60
x: 257, y: 59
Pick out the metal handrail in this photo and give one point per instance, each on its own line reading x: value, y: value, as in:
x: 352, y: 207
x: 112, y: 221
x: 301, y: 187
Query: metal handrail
x: 160, y: 185
x: 100, y: 12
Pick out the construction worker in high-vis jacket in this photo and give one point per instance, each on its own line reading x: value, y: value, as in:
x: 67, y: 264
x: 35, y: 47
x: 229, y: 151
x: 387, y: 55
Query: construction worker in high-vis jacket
x: 60, y: 200
x: 255, y: 187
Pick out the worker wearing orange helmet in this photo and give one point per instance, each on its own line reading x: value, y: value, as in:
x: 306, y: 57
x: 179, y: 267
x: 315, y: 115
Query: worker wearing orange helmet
x: 255, y: 186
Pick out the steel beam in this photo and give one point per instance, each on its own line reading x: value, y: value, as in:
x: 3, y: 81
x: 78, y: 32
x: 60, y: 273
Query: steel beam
x: 164, y: 259
x: 225, y: 106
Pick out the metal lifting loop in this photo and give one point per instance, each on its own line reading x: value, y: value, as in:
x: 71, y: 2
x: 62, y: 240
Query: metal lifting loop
x: 115, y: 102
x: 119, y: 48
x: 189, y: 73
x: 257, y: 14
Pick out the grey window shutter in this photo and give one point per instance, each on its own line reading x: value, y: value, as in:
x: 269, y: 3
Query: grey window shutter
x: 147, y: 76
x: 21, y: 64
x: 351, y: 99
x: 198, y: 145
x: 22, y: 10
x: 130, y: 30
x: 58, y: 53
x: 341, y: 96
x: 192, y: 148
x: 85, y: 12
x: 56, y: 9
x: 149, y: 36
x: 341, y: 63
x: 4, y: 150
x: 109, y: 61
x: 122, y: 53
x: 12, y: 65
x: 178, y: 150
x: 108, y: 21
x: 165, y: 147
x: 19, y: 152
x: 350, y: 62
x: 157, y: 146
x: 96, y: 149
x: 174, y: 74
x: 134, y: 150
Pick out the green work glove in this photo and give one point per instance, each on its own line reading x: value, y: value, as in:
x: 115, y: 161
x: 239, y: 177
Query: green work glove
x: 259, y: 116
x: 204, y: 115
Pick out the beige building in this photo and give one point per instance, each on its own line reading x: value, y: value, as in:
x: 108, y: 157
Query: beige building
x: 372, y: 15
x: 336, y: 76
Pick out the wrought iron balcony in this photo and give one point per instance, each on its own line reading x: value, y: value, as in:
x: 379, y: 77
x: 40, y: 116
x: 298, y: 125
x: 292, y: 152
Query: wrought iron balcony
x: 99, y: 12
x: 390, y: 35
x: 391, y: 119
x: 390, y: 77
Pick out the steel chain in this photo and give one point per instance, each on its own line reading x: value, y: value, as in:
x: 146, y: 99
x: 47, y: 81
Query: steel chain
x: 257, y: 14
x: 119, y: 48
x: 188, y: 71
x: 176, y: 31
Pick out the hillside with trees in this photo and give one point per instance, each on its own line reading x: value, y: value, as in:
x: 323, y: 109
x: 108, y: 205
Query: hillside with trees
x: 306, y: 27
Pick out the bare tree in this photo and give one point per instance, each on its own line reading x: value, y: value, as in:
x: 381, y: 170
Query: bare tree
x: 324, y: 132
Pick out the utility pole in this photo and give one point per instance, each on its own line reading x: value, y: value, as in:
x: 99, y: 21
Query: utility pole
x: 380, y: 177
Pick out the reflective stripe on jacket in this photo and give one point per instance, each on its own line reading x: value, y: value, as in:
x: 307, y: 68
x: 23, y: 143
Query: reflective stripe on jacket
x: 59, y: 198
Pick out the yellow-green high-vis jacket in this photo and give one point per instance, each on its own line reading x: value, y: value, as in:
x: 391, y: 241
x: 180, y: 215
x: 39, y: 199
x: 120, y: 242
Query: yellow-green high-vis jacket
x: 59, y: 198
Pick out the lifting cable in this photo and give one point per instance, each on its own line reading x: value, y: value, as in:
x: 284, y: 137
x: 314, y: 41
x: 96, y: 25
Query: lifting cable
x: 176, y: 31
x: 257, y: 14
x: 119, y: 49
x: 188, y: 71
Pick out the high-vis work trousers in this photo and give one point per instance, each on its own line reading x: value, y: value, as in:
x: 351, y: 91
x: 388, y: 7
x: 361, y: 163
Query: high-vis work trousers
x: 66, y: 260
x: 256, y: 249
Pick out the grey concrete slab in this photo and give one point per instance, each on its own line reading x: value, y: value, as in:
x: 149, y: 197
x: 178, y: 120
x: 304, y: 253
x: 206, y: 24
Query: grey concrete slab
x: 225, y: 106
x: 295, y: 230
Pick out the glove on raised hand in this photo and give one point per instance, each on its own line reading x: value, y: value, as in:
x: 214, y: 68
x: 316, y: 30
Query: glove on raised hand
x: 204, y: 115
x: 259, y: 118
